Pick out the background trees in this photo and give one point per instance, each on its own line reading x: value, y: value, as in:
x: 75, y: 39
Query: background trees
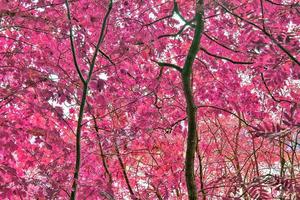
x: 245, y: 83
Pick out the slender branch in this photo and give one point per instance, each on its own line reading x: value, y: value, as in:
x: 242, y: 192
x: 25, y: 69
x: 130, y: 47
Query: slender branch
x: 217, y: 42
x: 157, y: 193
x: 281, y: 47
x: 124, y: 170
x: 174, y: 10
x: 174, y: 34
x: 160, y: 19
x: 103, y: 159
x: 84, y: 95
x: 187, y: 23
x: 72, y: 44
x: 279, y: 4
x: 119, y: 108
x: 265, y: 32
x: 162, y: 64
x: 237, y: 162
x: 107, y: 57
x: 227, y: 111
x: 225, y: 58
x: 78, y: 141
x: 201, y: 174
x: 270, y: 93
x: 262, y: 14
x: 178, y: 121
x: 101, y: 37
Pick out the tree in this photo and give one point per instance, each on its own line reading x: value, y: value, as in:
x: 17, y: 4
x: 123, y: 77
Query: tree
x: 149, y: 99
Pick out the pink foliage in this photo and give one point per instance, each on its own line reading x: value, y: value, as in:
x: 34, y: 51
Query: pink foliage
x: 245, y: 85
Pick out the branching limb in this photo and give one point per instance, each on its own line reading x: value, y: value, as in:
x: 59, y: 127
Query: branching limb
x: 174, y: 10
x: 101, y: 37
x: 174, y: 34
x: 84, y: 93
x: 265, y: 32
x: 163, y: 64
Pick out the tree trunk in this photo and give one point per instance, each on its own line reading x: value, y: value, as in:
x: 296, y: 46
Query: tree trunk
x: 191, y: 108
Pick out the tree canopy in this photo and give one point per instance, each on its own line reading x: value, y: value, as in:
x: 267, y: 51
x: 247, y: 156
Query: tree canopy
x: 143, y: 99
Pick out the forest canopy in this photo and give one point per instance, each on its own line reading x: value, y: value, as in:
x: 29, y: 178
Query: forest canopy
x: 144, y: 100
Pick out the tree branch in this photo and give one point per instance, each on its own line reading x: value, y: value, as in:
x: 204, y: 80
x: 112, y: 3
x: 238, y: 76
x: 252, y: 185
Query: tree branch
x: 227, y: 111
x: 163, y: 64
x: 84, y: 95
x: 73, y: 46
x: 101, y: 37
x: 124, y: 171
x: 217, y: 42
x: 270, y: 93
x: 265, y: 32
x: 106, y: 56
x: 224, y: 58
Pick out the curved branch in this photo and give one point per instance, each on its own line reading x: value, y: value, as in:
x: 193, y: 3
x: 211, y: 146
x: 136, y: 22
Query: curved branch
x: 162, y: 64
x: 174, y: 10
x: 270, y: 93
x: 224, y: 58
